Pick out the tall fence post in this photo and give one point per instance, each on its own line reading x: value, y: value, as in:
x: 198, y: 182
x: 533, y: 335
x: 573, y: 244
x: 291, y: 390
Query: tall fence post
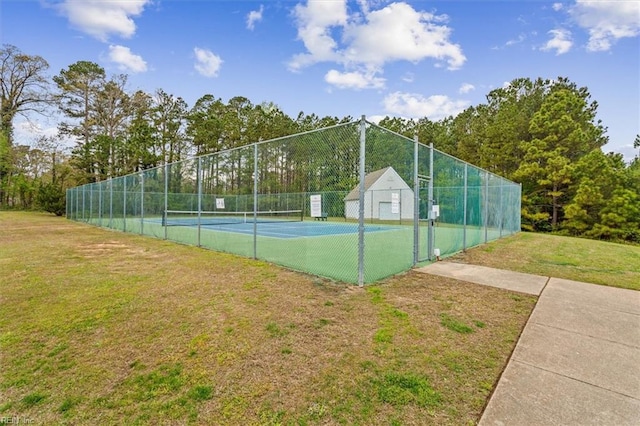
x: 361, y: 207
x: 90, y: 203
x: 166, y: 198
x: 430, y: 230
x: 501, y: 212
x: 110, y: 202
x: 255, y: 200
x: 464, y: 206
x: 518, y: 226
x: 100, y: 203
x: 84, y: 207
x: 486, y: 207
x: 416, y: 202
x: 124, y: 203
x: 199, y: 182
x: 141, y: 203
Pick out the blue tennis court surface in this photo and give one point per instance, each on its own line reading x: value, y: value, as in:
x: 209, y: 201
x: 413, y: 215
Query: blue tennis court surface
x: 293, y: 229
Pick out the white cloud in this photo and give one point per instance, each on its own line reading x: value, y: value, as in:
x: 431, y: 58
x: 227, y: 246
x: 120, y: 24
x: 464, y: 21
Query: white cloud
x: 466, y: 88
x: 27, y: 131
x: 126, y: 60
x: 207, y: 63
x: 607, y: 21
x: 253, y: 17
x: 627, y: 151
x: 518, y: 40
x: 414, y: 105
x: 399, y: 32
x: 100, y: 18
x: 560, y: 41
x: 314, y: 22
x: 354, y: 80
x: 368, y: 39
x: 557, y: 6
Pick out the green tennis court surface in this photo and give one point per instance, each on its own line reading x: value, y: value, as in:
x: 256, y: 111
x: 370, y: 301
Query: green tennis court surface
x: 328, y: 249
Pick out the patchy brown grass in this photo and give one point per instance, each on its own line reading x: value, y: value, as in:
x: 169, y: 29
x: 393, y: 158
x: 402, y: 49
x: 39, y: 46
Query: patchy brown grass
x: 104, y: 327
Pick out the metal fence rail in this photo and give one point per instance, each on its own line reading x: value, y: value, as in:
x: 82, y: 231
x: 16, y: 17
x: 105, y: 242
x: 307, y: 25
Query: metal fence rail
x: 371, y: 203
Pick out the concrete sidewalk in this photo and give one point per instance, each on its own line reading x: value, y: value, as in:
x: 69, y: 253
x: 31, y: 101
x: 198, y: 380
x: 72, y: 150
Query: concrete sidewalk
x: 577, y: 361
x: 509, y: 280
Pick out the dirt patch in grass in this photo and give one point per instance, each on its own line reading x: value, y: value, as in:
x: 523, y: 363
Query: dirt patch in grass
x: 109, y: 327
x: 108, y: 249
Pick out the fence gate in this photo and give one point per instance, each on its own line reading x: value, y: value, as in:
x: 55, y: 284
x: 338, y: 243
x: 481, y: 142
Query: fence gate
x: 425, y: 234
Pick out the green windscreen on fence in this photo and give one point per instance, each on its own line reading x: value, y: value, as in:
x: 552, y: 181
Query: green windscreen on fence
x: 353, y: 202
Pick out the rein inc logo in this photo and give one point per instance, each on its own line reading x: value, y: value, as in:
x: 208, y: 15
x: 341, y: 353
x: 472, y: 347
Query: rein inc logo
x: 16, y: 421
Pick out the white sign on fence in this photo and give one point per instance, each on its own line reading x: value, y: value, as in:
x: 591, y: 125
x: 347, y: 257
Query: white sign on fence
x: 316, y: 205
x: 435, y: 211
x: 220, y: 203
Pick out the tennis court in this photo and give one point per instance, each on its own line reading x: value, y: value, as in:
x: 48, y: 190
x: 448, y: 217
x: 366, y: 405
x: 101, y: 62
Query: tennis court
x: 353, y: 202
x: 328, y: 249
x: 275, y: 224
x: 294, y: 230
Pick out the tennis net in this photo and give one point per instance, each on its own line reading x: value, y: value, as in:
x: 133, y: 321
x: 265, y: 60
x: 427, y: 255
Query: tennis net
x: 195, y: 218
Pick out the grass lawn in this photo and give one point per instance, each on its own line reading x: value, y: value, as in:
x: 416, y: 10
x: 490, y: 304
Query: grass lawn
x: 102, y: 327
x: 579, y: 259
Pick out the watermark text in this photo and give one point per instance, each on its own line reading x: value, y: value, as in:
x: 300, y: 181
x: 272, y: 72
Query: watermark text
x: 16, y: 420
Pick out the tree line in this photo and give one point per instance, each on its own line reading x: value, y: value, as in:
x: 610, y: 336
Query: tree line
x: 542, y: 133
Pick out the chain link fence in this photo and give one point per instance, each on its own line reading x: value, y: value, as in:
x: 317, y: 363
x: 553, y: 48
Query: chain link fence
x: 353, y: 202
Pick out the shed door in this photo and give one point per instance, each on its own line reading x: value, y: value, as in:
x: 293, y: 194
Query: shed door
x: 385, y: 211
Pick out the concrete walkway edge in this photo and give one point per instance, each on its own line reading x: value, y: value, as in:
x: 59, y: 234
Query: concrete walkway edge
x: 508, y: 280
x: 576, y: 362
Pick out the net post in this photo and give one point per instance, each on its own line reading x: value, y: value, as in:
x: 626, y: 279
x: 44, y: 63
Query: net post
x: 361, y: 203
x: 416, y: 201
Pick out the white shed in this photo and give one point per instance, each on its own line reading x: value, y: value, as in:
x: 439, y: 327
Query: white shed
x: 387, y: 197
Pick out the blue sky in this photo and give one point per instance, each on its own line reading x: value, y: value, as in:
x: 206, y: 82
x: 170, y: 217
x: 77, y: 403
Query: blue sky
x: 337, y: 57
